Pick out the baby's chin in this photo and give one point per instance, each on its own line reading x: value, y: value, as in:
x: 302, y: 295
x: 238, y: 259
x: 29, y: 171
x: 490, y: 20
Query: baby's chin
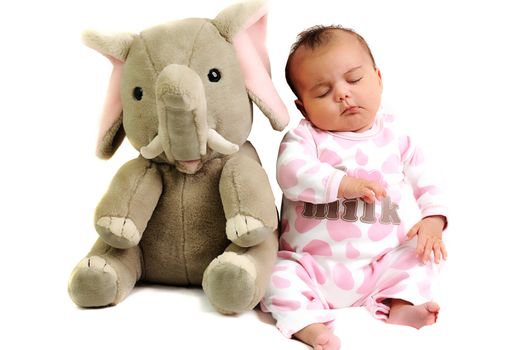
x: 354, y: 127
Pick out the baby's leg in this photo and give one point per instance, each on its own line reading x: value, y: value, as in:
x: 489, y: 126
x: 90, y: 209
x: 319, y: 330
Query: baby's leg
x: 297, y: 302
x: 407, y: 314
x: 319, y: 337
x: 404, y: 289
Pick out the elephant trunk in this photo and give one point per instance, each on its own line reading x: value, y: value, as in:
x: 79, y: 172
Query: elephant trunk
x: 181, y: 110
x: 183, y: 131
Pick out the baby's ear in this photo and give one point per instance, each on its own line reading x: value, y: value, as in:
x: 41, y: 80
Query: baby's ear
x: 300, y: 106
x: 378, y: 71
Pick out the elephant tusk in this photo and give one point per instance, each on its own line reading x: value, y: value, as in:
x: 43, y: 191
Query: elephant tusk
x: 219, y: 144
x: 153, y: 149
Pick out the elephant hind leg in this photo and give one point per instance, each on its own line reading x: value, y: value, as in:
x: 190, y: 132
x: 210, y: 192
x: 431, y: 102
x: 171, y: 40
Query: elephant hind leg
x: 106, y: 276
x: 235, y: 281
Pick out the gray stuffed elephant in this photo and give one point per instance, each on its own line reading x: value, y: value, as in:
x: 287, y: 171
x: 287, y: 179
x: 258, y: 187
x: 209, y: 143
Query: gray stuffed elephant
x: 196, y: 207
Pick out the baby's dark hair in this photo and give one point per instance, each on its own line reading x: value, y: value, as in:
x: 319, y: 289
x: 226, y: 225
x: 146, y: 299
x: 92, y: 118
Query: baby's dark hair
x: 315, y: 37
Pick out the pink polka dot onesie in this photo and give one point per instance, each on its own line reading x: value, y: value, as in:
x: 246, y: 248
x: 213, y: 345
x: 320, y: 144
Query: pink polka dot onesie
x: 337, y: 253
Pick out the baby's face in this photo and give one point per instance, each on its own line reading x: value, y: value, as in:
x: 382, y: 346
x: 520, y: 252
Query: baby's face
x: 339, y: 88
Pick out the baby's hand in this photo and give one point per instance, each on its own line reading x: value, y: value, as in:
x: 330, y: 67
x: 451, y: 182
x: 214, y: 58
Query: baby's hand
x: 429, y: 233
x: 367, y: 190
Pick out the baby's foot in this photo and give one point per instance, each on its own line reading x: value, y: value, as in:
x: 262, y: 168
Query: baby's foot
x: 416, y: 316
x: 327, y: 341
x: 319, y: 337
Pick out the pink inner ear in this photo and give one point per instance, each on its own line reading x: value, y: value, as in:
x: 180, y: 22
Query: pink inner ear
x: 113, y: 107
x: 254, y: 61
x: 257, y: 34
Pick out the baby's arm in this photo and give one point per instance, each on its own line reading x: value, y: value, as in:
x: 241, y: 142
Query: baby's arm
x: 300, y: 174
x: 368, y: 191
x: 429, y: 197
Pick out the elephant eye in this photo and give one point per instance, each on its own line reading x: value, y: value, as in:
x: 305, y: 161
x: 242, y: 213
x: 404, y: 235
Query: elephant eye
x: 214, y: 75
x: 138, y: 93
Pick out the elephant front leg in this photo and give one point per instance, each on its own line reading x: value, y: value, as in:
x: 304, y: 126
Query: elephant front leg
x: 248, y: 202
x: 106, y: 276
x: 123, y: 213
x: 235, y: 281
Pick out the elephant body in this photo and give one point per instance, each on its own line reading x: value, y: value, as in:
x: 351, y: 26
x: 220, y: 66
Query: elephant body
x: 195, y: 208
x: 196, y: 202
x: 187, y: 201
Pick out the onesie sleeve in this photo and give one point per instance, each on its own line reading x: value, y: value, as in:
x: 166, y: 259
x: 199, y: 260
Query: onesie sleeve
x: 426, y: 189
x: 300, y: 174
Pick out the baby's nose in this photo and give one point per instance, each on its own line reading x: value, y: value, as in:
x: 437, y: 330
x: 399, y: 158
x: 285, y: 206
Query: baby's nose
x: 342, y: 93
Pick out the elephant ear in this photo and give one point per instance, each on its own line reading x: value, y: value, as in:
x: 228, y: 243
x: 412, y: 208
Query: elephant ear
x: 115, y: 48
x: 244, y: 25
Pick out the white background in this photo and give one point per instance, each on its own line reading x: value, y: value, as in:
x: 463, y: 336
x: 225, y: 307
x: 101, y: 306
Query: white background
x: 455, y: 71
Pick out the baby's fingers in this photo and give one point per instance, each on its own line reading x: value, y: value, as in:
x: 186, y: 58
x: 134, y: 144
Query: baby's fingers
x: 427, y: 250
x: 378, y: 190
x: 413, y: 231
x: 437, y: 252
x: 443, y: 251
x: 368, y: 196
x: 420, y: 248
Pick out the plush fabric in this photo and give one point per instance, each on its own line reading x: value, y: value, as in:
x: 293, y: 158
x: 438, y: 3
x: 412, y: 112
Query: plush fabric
x: 184, y: 211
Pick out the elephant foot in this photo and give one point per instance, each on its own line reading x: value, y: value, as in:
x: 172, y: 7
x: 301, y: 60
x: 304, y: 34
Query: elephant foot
x: 93, y: 283
x: 246, y: 231
x: 230, y: 283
